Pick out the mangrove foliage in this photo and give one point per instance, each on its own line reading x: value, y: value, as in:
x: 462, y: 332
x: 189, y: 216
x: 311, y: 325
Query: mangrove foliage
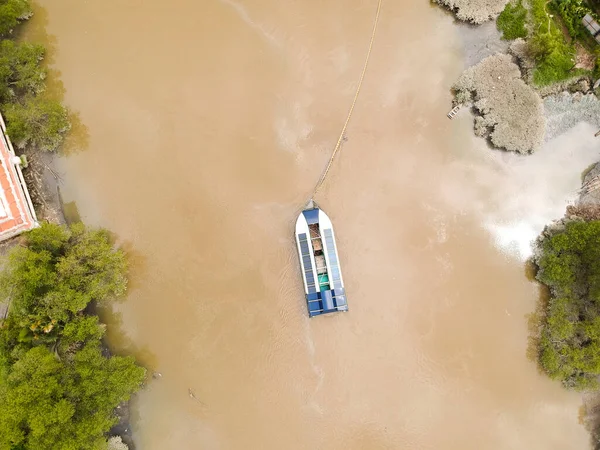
x: 33, y: 119
x: 511, y: 21
x: 569, y: 264
x: 58, y: 386
x: 551, y: 29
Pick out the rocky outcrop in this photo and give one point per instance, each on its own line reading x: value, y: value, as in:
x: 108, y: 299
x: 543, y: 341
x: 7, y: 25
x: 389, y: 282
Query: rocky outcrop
x: 511, y: 113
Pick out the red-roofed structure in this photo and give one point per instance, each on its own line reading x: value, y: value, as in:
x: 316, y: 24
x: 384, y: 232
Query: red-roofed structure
x: 16, y: 209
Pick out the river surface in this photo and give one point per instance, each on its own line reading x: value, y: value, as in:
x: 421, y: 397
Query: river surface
x: 207, y: 124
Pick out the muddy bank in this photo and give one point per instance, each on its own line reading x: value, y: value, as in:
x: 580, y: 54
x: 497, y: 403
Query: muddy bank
x: 43, y: 181
x: 589, y: 198
x: 480, y: 41
x: 123, y: 427
x: 565, y: 110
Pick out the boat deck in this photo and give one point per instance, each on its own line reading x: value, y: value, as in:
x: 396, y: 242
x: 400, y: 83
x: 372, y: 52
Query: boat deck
x: 318, y: 255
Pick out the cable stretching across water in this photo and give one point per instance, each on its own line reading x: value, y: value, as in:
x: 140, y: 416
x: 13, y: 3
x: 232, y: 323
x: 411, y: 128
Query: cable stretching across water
x: 362, y: 77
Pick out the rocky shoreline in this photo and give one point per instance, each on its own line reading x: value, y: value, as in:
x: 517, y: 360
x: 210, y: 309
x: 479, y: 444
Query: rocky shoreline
x: 564, y: 105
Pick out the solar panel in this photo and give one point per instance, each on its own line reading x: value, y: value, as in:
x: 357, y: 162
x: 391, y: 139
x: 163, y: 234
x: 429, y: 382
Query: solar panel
x: 334, y: 270
x: 591, y: 25
x: 339, y: 295
x: 307, y: 263
x: 311, y: 216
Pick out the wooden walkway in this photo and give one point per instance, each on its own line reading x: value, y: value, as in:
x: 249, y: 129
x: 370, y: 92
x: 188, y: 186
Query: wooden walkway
x: 453, y: 112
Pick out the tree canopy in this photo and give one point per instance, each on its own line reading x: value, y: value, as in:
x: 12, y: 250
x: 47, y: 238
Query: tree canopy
x: 32, y: 118
x: 37, y: 121
x: 512, y: 20
x: 569, y: 264
x: 12, y: 12
x: 57, y: 388
x: 20, y: 69
x: 554, y: 55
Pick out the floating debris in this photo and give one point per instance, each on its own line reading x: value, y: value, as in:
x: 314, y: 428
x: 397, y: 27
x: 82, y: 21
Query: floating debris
x: 591, y: 185
x: 193, y: 396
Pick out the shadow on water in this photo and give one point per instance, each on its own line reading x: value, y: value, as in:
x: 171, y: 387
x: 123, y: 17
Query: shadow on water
x: 78, y: 137
x: 530, y: 269
x: 70, y: 212
x: 137, y: 263
x: 120, y: 344
x: 589, y: 417
x: 34, y: 30
x: 536, y: 318
x: 116, y: 336
x: 117, y: 340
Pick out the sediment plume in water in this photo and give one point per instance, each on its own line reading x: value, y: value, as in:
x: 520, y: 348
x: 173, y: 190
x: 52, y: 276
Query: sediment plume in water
x: 516, y: 196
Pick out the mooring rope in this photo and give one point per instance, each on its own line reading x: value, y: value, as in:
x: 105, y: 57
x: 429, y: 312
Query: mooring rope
x: 360, y: 82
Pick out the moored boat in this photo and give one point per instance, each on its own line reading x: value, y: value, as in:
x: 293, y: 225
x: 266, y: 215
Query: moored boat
x: 319, y: 262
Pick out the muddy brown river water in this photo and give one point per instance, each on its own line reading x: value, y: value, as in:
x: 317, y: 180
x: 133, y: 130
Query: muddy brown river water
x: 208, y: 123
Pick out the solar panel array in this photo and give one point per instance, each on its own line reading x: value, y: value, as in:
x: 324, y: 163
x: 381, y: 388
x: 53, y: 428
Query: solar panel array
x: 591, y: 25
x: 307, y: 263
x: 334, y: 270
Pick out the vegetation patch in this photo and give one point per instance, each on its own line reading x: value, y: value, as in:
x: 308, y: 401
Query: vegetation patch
x: 512, y: 20
x: 571, y: 13
x: 553, y: 54
x: 569, y: 264
x: 33, y: 119
x: 58, y: 388
x: 12, y: 13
